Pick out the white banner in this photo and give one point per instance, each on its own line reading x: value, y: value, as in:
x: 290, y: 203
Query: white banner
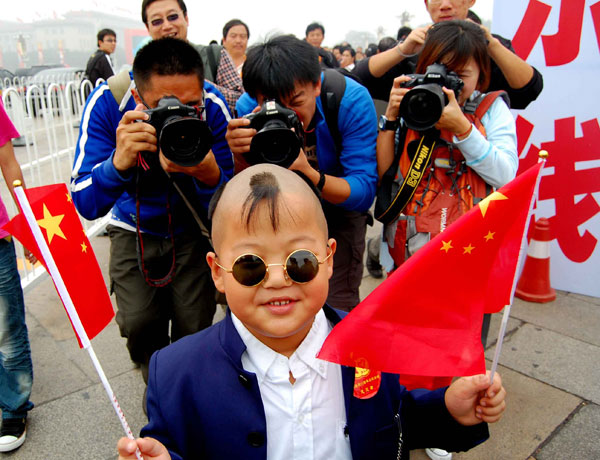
x: 561, y: 38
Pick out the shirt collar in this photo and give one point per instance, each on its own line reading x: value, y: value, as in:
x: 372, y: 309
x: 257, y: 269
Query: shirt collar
x: 263, y: 357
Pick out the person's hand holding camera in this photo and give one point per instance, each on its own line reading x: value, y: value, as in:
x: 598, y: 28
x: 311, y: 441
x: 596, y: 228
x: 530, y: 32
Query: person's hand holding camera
x: 396, y: 95
x: 207, y: 171
x: 132, y: 138
x: 239, y: 135
x: 453, y: 119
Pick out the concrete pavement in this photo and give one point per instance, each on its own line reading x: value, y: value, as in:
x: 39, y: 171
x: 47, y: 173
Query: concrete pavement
x: 549, y: 365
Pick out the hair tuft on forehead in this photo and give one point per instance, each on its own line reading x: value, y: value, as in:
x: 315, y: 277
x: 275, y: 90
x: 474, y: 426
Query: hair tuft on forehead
x: 264, y: 189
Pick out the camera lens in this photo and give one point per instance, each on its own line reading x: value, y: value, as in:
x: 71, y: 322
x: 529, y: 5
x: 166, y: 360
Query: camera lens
x: 185, y: 141
x: 422, y: 106
x: 275, y: 144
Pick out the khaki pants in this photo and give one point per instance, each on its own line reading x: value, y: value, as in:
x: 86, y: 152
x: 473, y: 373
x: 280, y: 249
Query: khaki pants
x: 152, y: 317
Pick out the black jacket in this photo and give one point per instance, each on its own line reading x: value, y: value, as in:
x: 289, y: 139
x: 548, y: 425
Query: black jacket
x: 519, y: 98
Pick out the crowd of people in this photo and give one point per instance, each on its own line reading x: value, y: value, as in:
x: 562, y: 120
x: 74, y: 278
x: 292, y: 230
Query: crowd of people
x: 200, y: 215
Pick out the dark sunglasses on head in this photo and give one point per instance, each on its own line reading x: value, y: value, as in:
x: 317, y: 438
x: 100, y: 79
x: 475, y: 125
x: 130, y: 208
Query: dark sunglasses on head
x: 159, y: 22
x: 301, y: 266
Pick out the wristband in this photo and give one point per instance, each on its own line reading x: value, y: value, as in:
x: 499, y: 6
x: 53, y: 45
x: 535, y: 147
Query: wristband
x: 321, y: 182
x: 397, y: 48
x: 466, y: 133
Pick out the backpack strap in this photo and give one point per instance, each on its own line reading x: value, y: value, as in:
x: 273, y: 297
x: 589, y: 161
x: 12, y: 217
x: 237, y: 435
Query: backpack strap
x: 120, y: 85
x: 332, y: 91
x: 481, y: 104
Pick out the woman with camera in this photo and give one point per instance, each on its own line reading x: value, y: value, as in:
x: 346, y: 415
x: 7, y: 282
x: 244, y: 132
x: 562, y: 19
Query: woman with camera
x: 473, y: 143
x: 462, y: 141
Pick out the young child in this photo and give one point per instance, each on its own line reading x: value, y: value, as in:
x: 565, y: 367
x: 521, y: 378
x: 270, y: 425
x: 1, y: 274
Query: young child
x: 251, y: 387
x: 476, y: 148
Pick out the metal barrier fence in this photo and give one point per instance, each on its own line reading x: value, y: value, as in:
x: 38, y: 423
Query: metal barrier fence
x: 46, y: 110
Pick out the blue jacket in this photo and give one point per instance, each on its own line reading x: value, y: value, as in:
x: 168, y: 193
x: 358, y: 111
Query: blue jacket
x: 203, y: 404
x: 97, y: 186
x: 357, y: 124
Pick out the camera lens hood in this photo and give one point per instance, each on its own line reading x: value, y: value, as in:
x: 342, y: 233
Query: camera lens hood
x: 422, y: 106
x: 276, y: 145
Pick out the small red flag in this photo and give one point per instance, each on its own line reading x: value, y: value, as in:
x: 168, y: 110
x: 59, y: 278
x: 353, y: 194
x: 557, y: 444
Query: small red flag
x: 425, y: 319
x: 71, y: 250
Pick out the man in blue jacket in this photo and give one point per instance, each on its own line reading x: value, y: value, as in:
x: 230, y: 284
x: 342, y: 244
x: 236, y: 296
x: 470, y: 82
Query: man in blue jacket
x: 157, y: 266
x: 287, y: 69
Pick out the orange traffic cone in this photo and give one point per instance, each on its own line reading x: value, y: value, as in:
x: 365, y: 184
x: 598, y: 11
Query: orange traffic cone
x: 534, y: 284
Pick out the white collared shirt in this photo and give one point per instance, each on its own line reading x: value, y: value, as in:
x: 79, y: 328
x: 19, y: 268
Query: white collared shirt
x: 305, y: 420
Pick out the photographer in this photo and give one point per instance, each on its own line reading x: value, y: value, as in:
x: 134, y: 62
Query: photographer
x: 467, y: 149
x: 509, y: 72
x: 287, y: 70
x: 158, y: 197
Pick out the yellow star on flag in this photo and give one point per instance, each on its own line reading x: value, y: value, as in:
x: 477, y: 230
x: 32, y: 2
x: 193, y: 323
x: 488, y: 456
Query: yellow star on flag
x: 83, y: 247
x: 52, y: 225
x: 489, y: 236
x: 446, y: 246
x: 483, y: 205
x: 468, y: 249
x: 69, y: 199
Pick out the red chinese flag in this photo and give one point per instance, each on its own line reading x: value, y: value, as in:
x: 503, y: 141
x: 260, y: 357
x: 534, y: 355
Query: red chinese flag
x: 425, y: 319
x: 54, y: 211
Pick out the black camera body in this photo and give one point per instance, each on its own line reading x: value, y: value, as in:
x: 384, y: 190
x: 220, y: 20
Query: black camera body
x: 183, y: 137
x: 274, y: 141
x: 422, y: 106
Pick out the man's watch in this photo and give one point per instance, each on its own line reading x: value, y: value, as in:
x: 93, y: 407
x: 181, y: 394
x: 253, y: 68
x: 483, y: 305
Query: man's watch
x: 387, y: 125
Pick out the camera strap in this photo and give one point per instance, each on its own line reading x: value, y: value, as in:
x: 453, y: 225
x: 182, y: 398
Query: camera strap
x: 151, y: 281
x: 393, y: 198
x: 204, y: 228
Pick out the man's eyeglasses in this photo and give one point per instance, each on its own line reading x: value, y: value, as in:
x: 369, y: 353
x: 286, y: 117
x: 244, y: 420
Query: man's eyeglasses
x: 159, y: 21
x: 301, y: 266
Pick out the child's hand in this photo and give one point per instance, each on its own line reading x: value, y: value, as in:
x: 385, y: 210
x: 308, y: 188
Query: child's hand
x: 151, y: 449
x: 453, y: 119
x: 471, y: 400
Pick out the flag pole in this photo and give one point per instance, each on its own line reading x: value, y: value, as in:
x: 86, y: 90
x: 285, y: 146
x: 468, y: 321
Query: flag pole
x: 543, y: 155
x: 68, y: 303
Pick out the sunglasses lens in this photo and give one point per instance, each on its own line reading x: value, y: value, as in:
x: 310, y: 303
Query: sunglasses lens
x: 302, y: 266
x: 249, y: 270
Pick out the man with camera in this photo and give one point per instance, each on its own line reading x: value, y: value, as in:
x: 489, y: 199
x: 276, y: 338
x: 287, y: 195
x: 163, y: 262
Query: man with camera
x: 510, y: 73
x: 155, y: 168
x: 332, y: 144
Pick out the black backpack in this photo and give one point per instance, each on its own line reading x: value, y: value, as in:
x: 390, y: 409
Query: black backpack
x: 332, y: 91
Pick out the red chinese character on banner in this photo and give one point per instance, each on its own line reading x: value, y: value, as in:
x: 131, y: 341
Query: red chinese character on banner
x: 562, y: 47
x: 572, y: 184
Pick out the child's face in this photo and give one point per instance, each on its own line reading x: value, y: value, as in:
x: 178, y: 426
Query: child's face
x: 469, y: 74
x: 279, y: 312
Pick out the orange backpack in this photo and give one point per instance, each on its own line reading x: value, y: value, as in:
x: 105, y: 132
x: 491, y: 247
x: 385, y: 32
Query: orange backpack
x: 445, y: 188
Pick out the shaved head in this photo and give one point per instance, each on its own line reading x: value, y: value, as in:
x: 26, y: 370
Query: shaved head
x: 264, y: 192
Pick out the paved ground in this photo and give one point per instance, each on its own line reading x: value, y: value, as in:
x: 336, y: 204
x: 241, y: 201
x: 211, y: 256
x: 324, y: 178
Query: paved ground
x: 549, y: 365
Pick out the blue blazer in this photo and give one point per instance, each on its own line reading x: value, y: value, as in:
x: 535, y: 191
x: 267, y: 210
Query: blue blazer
x: 202, y: 404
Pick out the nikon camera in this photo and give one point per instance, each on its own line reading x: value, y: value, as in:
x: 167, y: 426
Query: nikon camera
x: 182, y: 136
x: 422, y: 106
x: 274, y: 141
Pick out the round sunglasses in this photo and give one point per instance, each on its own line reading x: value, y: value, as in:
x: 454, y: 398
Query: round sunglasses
x: 301, y: 266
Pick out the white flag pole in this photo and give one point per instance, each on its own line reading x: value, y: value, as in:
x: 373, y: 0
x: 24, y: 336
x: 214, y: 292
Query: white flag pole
x: 543, y: 155
x: 66, y: 299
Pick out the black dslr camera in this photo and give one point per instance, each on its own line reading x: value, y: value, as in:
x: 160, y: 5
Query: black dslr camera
x: 422, y: 106
x: 183, y: 137
x: 274, y: 141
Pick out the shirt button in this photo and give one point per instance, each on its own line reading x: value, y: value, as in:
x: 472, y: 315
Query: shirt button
x: 300, y: 418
